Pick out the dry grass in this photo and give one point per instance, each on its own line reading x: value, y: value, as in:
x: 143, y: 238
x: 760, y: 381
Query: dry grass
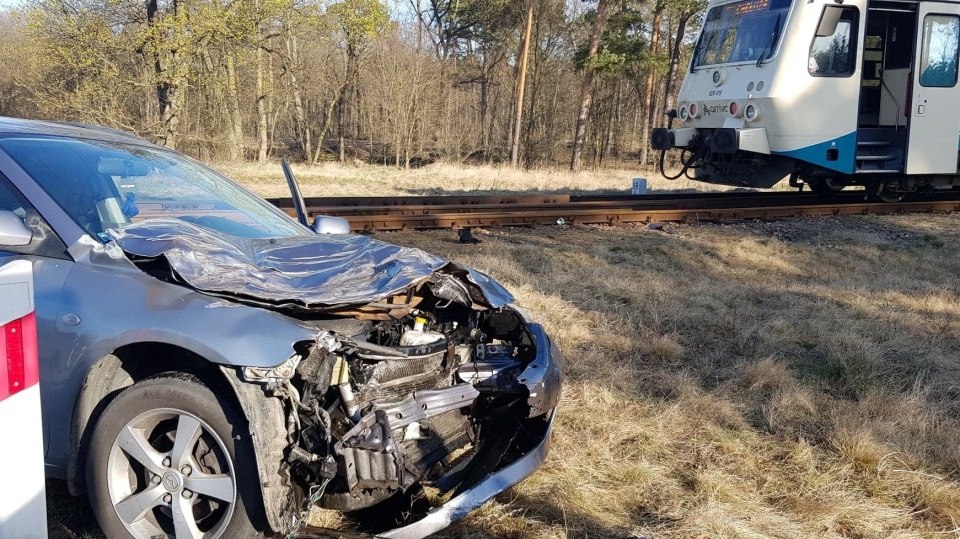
x: 333, y: 179
x: 756, y: 380
x: 787, y: 380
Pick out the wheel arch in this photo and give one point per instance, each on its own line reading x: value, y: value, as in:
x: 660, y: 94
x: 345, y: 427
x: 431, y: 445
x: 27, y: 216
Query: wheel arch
x: 134, y: 362
x: 117, y: 371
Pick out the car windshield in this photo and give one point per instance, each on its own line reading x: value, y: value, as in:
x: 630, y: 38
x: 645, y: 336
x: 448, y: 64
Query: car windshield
x: 741, y: 32
x: 107, y: 186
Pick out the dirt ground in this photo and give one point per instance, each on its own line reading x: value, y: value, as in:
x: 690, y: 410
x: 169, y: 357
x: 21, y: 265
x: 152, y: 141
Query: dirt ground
x: 798, y: 378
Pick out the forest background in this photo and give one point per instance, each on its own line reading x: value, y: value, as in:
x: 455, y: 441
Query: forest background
x: 400, y: 83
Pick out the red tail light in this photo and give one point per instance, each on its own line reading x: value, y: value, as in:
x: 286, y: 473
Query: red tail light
x: 18, y: 356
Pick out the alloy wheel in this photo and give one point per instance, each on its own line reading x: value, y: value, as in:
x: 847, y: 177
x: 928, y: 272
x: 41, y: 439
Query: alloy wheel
x: 169, y: 474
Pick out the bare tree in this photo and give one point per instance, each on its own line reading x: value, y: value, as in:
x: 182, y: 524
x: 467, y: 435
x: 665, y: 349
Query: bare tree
x: 586, y: 88
x: 521, y: 88
x: 481, y: 80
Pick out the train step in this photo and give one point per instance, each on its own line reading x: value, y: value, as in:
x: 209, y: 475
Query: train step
x: 888, y: 157
x: 872, y: 143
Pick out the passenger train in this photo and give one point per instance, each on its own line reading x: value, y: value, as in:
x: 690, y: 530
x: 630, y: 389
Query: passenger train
x: 830, y: 93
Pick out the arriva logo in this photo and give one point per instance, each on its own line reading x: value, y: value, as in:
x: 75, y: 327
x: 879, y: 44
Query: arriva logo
x: 714, y: 109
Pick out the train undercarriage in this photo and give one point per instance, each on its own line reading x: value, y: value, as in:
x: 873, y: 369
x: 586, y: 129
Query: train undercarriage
x: 713, y: 156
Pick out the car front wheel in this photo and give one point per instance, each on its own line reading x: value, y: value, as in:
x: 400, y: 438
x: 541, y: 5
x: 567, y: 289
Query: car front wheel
x: 167, y: 459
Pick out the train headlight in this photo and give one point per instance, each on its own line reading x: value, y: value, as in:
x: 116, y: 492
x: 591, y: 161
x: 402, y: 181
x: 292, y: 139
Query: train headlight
x: 694, y: 110
x: 751, y: 113
x: 718, y: 77
x: 684, y: 113
x: 735, y: 109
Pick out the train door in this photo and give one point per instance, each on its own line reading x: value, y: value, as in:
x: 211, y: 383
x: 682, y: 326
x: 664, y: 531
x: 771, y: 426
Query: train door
x: 885, y: 84
x: 934, y: 106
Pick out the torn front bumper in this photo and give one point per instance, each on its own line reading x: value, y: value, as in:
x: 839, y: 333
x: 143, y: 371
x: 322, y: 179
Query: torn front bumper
x: 543, y: 379
x: 493, y: 484
x: 458, y: 507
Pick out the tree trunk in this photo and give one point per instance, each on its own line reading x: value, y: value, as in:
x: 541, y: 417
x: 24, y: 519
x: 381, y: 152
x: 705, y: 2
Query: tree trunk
x: 299, y: 113
x: 675, y: 59
x: 349, y: 101
x: 328, y: 118
x: 233, y: 109
x: 535, y: 88
x: 586, y: 89
x: 648, y: 87
x: 419, y: 29
x: 521, y: 88
x: 272, y: 110
x: 167, y: 81
x: 261, y: 109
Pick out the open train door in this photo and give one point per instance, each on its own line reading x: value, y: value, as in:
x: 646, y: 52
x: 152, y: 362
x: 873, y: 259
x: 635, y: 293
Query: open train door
x: 23, y: 510
x: 935, y: 104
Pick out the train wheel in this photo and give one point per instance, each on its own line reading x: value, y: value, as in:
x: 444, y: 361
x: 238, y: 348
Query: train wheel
x: 824, y: 188
x: 888, y: 196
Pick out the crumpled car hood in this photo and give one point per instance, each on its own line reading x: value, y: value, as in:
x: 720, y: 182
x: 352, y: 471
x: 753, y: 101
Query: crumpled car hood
x: 325, y: 272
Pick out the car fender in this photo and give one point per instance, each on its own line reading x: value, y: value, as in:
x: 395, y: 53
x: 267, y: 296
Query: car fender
x: 87, y: 369
x: 268, y: 434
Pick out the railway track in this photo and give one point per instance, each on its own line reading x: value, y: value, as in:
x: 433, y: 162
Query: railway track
x: 459, y: 212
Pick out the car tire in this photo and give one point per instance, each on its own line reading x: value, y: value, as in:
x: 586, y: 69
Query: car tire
x: 169, y: 458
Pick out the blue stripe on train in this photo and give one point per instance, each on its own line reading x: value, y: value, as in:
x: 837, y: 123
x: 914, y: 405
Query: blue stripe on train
x: 846, y: 147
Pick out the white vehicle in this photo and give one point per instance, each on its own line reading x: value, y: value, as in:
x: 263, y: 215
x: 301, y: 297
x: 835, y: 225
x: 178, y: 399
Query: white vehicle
x: 831, y: 93
x: 23, y: 509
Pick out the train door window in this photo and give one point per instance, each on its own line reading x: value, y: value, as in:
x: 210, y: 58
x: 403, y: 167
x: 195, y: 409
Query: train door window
x: 833, y: 52
x: 938, y: 57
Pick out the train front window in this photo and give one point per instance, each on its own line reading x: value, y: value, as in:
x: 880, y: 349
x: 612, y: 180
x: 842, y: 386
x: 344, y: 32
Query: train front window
x: 745, y: 31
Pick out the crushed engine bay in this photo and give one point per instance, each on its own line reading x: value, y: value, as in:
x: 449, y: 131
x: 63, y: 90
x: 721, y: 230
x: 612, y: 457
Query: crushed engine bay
x: 436, y: 396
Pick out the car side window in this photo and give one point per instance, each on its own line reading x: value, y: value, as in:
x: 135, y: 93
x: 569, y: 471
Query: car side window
x: 45, y: 241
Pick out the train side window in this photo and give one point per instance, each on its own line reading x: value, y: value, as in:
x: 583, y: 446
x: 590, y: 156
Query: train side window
x: 938, y: 58
x: 833, y: 52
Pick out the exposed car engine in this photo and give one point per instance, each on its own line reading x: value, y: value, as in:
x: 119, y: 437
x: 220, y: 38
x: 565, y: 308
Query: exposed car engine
x: 404, y: 401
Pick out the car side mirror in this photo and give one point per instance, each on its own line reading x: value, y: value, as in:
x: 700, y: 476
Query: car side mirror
x: 324, y: 224
x: 13, y: 233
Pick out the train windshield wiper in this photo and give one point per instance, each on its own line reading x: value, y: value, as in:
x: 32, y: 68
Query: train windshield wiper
x: 773, y: 41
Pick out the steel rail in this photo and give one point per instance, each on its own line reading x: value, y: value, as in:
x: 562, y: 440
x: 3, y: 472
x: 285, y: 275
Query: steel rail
x: 399, y: 213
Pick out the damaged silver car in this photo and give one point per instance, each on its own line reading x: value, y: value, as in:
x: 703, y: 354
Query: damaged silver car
x: 212, y: 368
